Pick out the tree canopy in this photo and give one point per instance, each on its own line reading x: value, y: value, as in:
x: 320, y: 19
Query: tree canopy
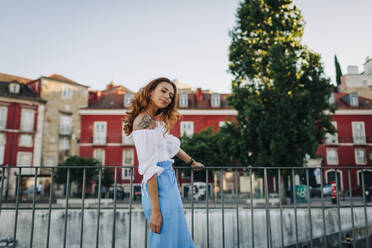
x: 279, y: 88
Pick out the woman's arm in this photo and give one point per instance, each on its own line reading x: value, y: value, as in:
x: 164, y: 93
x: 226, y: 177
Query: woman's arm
x: 155, y: 219
x: 186, y: 158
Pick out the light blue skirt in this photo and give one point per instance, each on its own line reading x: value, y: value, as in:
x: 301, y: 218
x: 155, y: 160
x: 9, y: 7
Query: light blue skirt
x: 174, y: 231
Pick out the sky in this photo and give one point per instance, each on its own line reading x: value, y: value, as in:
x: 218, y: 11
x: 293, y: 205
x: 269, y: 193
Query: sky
x: 131, y: 42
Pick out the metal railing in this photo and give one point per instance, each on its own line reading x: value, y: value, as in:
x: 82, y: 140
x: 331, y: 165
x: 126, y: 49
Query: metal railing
x: 235, y: 202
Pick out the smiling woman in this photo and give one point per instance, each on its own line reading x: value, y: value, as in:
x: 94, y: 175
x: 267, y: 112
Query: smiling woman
x: 155, y: 147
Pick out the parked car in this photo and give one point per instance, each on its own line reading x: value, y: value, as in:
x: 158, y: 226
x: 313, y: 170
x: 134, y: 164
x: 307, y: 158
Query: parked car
x: 119, y: 192
x: 199, y: 191
x: 316, y: 191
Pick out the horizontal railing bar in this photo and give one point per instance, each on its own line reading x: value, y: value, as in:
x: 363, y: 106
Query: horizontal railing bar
x: 188, y: 167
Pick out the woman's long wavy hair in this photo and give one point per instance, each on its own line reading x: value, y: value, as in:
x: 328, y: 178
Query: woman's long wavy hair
x: 141, y: 101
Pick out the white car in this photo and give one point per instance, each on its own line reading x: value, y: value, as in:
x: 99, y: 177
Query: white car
x: 199, y: 191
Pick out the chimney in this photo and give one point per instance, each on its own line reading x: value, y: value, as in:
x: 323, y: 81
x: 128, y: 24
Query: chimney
x: 199, y: 95
x: 110, y: 85
x: 98, y: 95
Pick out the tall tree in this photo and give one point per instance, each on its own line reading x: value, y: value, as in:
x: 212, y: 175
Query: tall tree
x: 279, y: 87
x: 338, y: 71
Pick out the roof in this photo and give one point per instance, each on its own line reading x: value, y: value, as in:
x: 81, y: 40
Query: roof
x: 11, y: 78
x: 64, y: 79
x: 364, y: 103
x: 112, y: 88
x: 205, y: 102
x: 116, y: 101
x: 112, y: 101
x: 25, y: 92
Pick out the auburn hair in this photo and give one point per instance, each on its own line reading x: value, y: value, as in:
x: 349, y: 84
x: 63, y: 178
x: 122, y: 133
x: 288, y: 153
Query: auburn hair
x: 141, y: 101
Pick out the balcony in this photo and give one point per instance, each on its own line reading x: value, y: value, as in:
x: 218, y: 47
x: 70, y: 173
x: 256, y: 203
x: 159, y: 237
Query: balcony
x: 65, y: 130
x: 99, y: 140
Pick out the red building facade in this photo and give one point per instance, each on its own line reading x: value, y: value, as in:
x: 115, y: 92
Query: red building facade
x: 352, y: 145
x: 21, y: 129
x: 102, y: 136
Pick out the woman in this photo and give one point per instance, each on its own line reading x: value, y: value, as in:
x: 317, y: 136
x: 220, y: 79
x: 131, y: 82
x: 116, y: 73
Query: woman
x: 161, y: 199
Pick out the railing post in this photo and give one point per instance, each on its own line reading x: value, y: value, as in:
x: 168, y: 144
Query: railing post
x: 114, y: 209
x: 222, y: 209
x: 351, y: 206
x: 237, y: 207
x: 99, y: 205
x: 252, y: 209
x: 207, y: 197
x: 50, y: 206
x: 294, y: 205
x: 323, y: 208
x: 33, y: 208
x: 365, y: 207
x: 66, y: 207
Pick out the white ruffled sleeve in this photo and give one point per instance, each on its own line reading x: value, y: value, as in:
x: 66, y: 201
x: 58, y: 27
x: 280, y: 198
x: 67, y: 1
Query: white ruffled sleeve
x: 173, y: 145
x: 145, y: 144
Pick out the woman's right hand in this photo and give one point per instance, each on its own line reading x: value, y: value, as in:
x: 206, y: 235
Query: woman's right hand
x: 155, y: 221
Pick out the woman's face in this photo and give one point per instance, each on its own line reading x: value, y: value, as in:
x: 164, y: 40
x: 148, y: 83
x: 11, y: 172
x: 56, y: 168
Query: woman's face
x: 162, y: 95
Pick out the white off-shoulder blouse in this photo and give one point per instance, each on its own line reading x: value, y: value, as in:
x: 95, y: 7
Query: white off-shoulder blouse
x: 153, y: 146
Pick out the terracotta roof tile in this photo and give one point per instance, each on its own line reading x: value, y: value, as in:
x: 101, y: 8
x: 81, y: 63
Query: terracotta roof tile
x: 9, y: 78
x: 63, y: 79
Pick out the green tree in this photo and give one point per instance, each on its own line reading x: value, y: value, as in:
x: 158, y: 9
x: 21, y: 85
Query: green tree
x: 208, y: 148
x: 279, y: 87
x: 108, y: 177
x: 76, y: 173
x: 338, y: 71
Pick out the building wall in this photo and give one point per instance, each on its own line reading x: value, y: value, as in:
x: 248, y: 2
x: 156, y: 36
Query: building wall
x: 114, y: 147
x: 346, y: 147
x: 13, y: 133
x: 51, y: 91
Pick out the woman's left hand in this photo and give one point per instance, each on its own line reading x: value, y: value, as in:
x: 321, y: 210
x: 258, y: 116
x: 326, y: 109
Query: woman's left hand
x: 197, y: 166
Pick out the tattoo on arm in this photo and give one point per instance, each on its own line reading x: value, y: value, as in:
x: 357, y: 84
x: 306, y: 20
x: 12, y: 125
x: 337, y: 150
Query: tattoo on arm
x: 146, y: 122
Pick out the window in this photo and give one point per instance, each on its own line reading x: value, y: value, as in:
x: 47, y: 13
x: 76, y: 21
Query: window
x: 126, y: 140
x: 184, y: 100
x: 360, y: 156
x: 354, y: 100
x: 332, y: 139
x: 64, y: 144
x: 99, y: 154
x: 187, y: 127
x: 25, y: 140
x: 128, y: 157
x: 99, y: 133
x: 128, y: 99
x: 215, y: 100
x: 221, y: 123
x: 126, y: 173
x: 65, y: 124
x: 24, y: 158
x: 27, y: 120
x: 332, y: 98
x: 2, y: 147
x: 359, y: 136
x: 3, y: 115
x: 14, y: 88
x: 332, y: 156
x: 66, y: 92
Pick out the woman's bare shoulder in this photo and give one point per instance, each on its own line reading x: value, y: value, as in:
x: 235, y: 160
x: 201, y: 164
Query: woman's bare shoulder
x: 143, y: 121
